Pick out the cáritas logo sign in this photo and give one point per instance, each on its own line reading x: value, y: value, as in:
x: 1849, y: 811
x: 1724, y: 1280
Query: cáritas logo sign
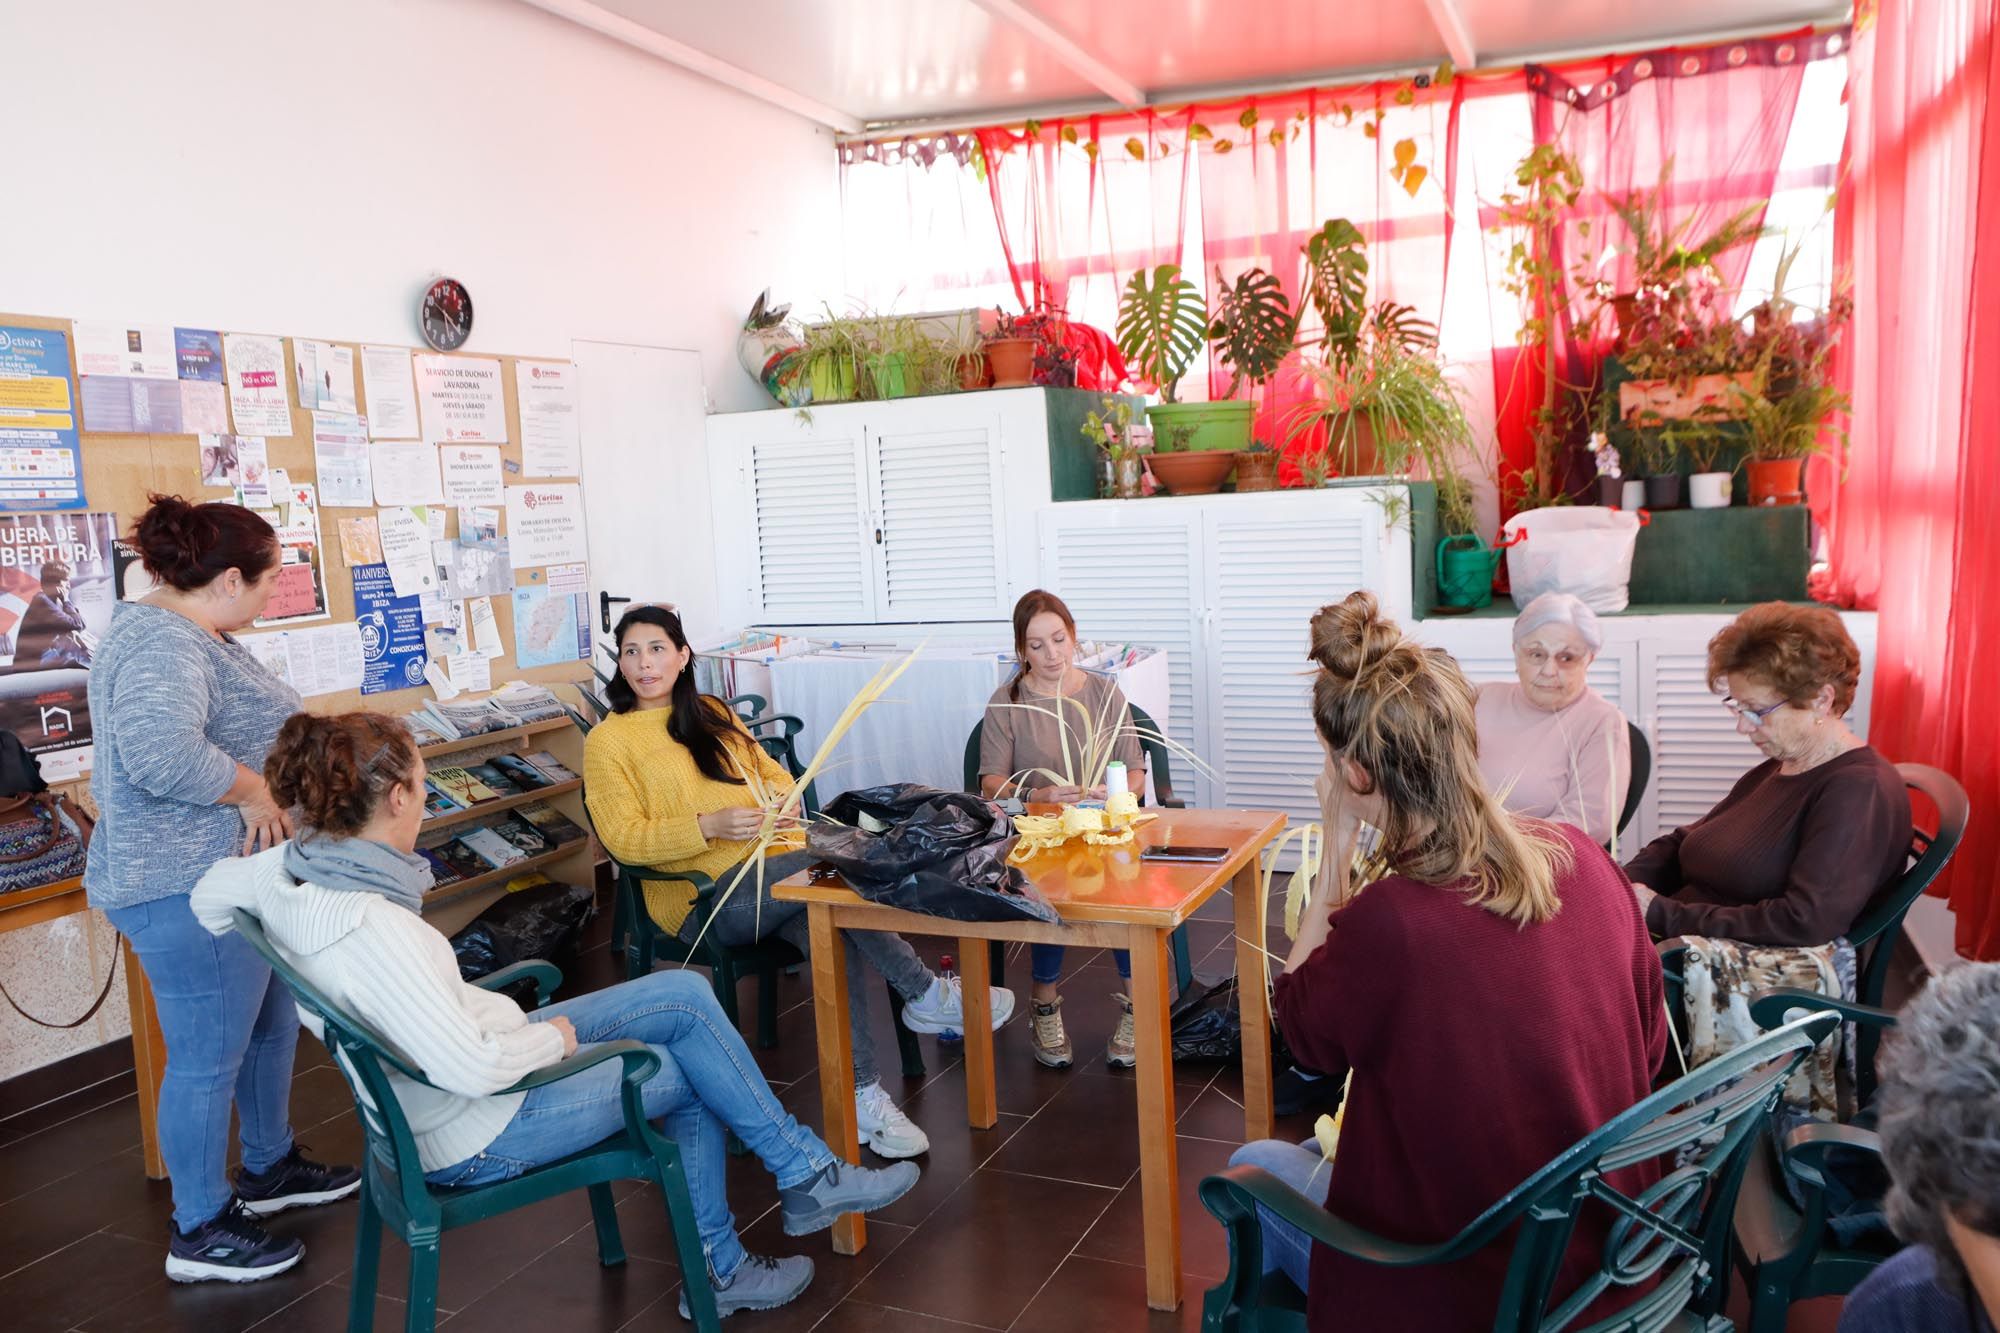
x: 530, y: 499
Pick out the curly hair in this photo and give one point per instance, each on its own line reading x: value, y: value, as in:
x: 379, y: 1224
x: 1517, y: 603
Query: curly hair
x: 1794, y: 649
x: 332, y: 772
x: 1939, y: 1112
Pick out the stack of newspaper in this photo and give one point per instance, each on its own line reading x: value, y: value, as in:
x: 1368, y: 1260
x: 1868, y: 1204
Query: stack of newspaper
x: 517, y: 705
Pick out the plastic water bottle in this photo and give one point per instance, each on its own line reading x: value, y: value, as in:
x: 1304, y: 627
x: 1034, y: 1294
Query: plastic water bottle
x: 947, y: 968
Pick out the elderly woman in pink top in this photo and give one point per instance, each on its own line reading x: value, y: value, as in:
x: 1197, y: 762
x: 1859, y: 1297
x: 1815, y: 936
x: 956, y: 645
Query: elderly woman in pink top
x: 1551, y: 747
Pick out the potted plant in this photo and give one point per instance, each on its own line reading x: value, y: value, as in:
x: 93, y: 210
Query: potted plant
x: 830, y: 358
x: 1662, y: 253
x: 965, y: 351
x: 1162, y: 324
x: 1112, y: 432
x: 1661, y: 452
x: 1610, y: 470
x: 1257, y: 467
x: 1253, y: 332
x: 1703, y: 444
x: 1547, y: 184
x: 896, y: 352
x: 1784, y: 430
x: 1010, y: 351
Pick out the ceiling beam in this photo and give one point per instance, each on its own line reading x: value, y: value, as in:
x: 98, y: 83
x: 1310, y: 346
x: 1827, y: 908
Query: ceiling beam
x: 1072, y: 55
x: 1457, y: 37
x: 637, y: 35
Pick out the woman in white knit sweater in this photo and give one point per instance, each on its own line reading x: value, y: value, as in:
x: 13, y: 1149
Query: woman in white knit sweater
x: 342, y: 900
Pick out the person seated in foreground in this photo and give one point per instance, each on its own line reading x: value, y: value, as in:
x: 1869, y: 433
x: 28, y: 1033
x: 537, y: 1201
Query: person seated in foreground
x: 1494, y: 996
x: 1939, y: 1121
x: 341, y: 900
x: 668, y: 777
x: 1552, y: 747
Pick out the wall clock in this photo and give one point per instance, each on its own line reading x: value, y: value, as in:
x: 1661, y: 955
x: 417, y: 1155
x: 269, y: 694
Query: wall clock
x: 446, y: 314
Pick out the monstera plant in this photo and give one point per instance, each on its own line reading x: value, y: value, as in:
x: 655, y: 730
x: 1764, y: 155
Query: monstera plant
x: 1253, y: 329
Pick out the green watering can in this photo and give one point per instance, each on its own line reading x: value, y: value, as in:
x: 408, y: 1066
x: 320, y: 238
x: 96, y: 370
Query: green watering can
x: 1465, y: 569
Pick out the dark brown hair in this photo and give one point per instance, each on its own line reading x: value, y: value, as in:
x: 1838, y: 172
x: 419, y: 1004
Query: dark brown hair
x: 332, y: 772
x: 188, y: 546
x: 1034, y: 603
x: 1793, y: 649
x: 703, y: 723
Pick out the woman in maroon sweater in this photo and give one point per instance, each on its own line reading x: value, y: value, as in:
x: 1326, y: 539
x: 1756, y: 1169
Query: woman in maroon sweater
x: 1495, y: 997
x: 1804, y: 841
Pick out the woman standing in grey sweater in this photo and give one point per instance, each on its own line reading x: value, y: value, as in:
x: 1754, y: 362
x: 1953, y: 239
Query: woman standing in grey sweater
x: 184, y: 716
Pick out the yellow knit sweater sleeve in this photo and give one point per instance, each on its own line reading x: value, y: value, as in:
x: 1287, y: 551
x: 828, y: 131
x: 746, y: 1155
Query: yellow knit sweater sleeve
x: 641, y: 792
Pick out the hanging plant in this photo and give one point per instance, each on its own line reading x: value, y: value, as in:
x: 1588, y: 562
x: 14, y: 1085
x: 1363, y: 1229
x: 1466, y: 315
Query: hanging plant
x: 1161, y: 325
x: 1254, y: 329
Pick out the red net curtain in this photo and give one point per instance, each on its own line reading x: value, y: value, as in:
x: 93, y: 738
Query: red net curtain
x: 1720, y: 114
x: 1912, y: 522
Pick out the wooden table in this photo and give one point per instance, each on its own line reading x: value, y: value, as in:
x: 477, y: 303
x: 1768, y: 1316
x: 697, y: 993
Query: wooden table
x: 31, y: 907
x: 1106, y: 897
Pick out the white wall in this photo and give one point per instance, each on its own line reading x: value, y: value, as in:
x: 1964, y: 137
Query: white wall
x: 288, y: 168
x: 306, y: 169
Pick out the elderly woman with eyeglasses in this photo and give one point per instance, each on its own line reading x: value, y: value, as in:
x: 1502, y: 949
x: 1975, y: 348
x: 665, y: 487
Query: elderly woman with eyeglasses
x: 1805, y: 840
x: 1550, y: 746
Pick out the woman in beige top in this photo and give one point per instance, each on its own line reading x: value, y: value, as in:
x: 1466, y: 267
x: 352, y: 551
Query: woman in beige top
x: 1037, y: 725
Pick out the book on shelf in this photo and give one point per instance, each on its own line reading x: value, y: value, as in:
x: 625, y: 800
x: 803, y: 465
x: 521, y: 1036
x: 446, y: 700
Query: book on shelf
x: 517, y: 770
x: 463, y: 860
x: 463, y: 785
x: 525, y: 837
x: 442, y: 871
x: 437, y: 801
x: 496, y: 777
x: 558, y: 827
x: 549, y: 766
x: 490, y: 847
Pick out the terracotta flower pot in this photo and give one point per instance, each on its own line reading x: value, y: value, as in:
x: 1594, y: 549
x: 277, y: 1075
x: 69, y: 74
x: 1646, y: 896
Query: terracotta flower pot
x: 1776, y: 481
x: 1193, y: 473
x: 974, y: 372
x: 1257, y: 471
x: 1352, y: 445
x: 1013, y: 362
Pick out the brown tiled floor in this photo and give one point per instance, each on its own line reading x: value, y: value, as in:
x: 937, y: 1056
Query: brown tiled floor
x: 1032, y: 1225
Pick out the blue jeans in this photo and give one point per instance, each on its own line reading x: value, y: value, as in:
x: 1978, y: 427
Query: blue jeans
x: 707, y: 1084
x: 231, y: 1031
x: 1045, y: 962
x: 1287, y: 1249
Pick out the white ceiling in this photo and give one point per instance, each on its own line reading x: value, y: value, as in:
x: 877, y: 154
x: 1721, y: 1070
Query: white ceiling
x: 867, y: 62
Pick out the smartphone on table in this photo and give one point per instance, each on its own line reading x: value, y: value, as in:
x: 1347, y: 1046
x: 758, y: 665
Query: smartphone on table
x: 1179, y: 852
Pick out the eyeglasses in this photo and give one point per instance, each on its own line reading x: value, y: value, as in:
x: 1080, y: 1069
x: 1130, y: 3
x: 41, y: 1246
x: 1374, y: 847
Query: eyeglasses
x: 1756, y: 715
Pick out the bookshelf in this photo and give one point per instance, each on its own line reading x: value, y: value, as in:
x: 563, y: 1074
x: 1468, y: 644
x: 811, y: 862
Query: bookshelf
x: 450, y: 907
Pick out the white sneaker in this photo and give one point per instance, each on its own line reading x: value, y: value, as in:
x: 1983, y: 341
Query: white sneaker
x: 884, y: 1127
x: 942, y: 1008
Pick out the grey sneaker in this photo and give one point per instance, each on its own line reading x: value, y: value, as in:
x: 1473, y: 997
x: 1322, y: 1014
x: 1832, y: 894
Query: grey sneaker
x: 759, y: 1283
x: 843, y: 1188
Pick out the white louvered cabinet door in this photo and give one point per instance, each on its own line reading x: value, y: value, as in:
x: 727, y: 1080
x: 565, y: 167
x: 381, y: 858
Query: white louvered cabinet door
x: 938, y: 520
x: 1130, y: 573
x: 1697, y: 753
x: 812, y: 561
x: 1266, y: 576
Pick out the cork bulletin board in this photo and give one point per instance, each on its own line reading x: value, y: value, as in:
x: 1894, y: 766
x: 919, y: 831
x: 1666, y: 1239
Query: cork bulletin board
x: 120, y: 470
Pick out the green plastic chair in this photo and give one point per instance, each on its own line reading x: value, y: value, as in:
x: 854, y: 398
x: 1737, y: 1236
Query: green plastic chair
x: 646, y: 944
x: 748, y: 707
x: 393, y: 1188
x: 1156, y: 752
x: 1787, y: 1251
x: 1874, y: 934
x: 1677, y: 1231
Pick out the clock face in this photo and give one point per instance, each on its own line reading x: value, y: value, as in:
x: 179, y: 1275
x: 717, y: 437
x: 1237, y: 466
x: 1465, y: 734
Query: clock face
x: 446, y: 315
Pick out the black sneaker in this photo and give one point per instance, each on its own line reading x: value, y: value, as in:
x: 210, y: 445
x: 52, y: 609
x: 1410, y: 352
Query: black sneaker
x: 230, y: 1247
x: 294, y: 1182
x: 1298, y: 1090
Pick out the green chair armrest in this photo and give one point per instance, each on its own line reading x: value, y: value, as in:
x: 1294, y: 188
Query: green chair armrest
x: 546, y: 976
x: 640, y: 1064
x: 1235, y: 1190
x: 1773, y: 1008
x: 1807, y: 1146
x: 1173, y: 803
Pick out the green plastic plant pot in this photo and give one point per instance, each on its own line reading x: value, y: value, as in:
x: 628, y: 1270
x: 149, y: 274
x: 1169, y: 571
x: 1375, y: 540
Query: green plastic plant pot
x: 1465, y: 571
x: 1216, y: 426
x: 831, y: 381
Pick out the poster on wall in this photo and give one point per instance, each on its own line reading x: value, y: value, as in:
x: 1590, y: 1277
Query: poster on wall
x: 150, y: 379
x: 545, y: 395
x: 204, y: 399
x: 58, y: 583
x: 325, y: 375
x: 41, y: 466
x: 301, y: 590
x: 461, y: 399
x: 392, y: 633
x: 392, y: 396
x: 319, y: 659
x: 550, y: 628
x: 545, y: 525
x: 340, y: 461
x: 258, y: 397
x: 471, y: 474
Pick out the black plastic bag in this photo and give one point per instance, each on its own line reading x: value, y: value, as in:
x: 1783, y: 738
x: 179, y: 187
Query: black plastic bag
x: 1207, y: 1022
x: 545, y: 923
x: 943, y: 853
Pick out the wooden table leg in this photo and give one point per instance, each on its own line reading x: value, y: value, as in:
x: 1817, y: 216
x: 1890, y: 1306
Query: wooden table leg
x: 1254, y: 1003
x: 149, y: 1059
x: 1159, y: 1159
x: 982, y: 1109
x: 836, y: 1061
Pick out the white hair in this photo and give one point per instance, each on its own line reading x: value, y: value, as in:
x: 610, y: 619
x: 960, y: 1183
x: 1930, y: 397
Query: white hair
x: 1560, y: 608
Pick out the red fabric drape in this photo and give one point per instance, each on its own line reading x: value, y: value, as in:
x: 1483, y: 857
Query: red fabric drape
x: 1719, y: 115
x: 1912, y: 532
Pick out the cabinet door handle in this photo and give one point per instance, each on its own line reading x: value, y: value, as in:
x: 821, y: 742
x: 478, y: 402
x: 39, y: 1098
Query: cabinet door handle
x: 878, y: 536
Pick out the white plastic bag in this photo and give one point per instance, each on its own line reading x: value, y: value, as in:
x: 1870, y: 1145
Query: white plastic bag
x: 1585, y: 550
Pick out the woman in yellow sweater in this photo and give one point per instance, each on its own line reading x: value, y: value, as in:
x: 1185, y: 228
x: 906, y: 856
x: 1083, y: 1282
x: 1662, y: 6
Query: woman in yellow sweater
x: 663, y: 775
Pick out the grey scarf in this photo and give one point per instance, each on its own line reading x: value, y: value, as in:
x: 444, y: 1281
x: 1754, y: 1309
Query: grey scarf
x: 357, y: 865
